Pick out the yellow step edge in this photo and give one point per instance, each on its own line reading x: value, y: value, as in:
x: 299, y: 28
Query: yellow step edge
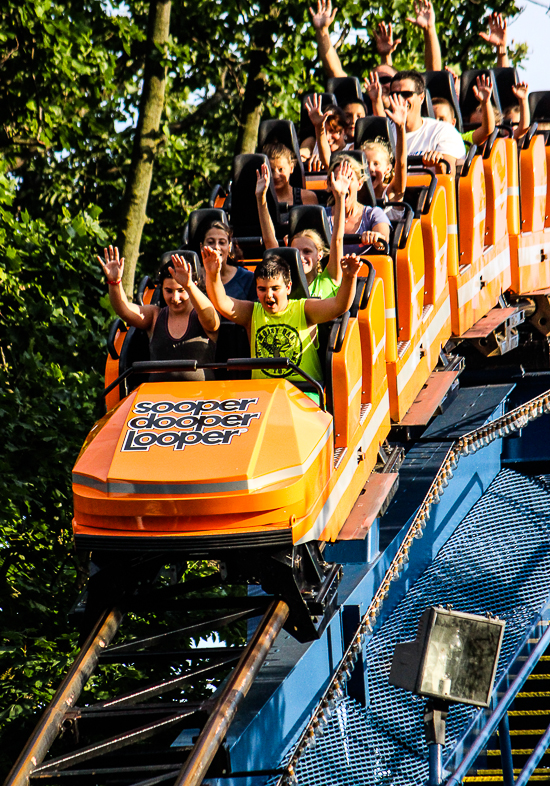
x: 499, y: 778
x: 544, y: 694
x: 517, y: 770
x: 515, y: 752
x: 518, y: 713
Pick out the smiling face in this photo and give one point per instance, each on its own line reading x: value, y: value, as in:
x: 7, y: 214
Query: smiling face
x: 414, y: 100
x: 335, y: 135
x: 175, y: 296
x: 309, y: 254
x: 273, y: 294
x: 379, y: 167
x: 281, y: 169
x: 218, y: 240
x: 353, y: 112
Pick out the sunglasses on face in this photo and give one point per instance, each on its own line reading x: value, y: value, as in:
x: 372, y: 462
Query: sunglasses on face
x: 385, y: 80
x: 406, y: 94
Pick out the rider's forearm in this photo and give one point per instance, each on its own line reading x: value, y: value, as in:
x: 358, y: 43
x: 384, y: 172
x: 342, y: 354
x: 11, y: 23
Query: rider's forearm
x: 328, y: 54
x: 432, y: 50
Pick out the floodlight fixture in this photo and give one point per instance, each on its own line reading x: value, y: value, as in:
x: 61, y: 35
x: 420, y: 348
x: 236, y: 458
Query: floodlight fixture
x: 453, y: 658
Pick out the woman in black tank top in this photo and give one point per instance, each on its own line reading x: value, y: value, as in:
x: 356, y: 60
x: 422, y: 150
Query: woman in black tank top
x: 185, y: 327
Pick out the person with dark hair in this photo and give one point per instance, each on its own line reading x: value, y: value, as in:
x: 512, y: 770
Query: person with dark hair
x: 277, y: 326
x: 518, y: 115
x: 282, y: 162
x: 424, y: 134
x: 353, y: 110
x: 238, y: 280
x: 184, y: 328
x: 330, y: 134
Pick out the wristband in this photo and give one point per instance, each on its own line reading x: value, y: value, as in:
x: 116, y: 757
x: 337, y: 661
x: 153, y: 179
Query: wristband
x: 114, y: 283
x: 501, y: 50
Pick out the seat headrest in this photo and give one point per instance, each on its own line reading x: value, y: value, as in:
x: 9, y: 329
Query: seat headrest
x: 367, y: 129
x: 293, y: 259
x: 309, y: 217
x: 198, y: 223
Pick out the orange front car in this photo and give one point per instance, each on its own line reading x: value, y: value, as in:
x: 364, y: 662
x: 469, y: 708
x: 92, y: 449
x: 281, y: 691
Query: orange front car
x: 201, y: 466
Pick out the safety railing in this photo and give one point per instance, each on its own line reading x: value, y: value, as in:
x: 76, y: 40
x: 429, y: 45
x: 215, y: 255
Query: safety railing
x: 499, y: 717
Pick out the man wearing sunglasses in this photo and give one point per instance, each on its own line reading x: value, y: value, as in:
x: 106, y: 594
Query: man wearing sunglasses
x: 425, y: 136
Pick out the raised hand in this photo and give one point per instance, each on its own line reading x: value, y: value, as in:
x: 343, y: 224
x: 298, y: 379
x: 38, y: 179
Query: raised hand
x: 113, y: 267
x: 212, y: 260
x: 351, y: 264
x: 383, y: 38
x: 340, y: 178
x: 373, y: 88
x: 314, y: 163
x: 483, y: 88
x: 262, y: 181
x: 324, y: 17
x: 314, y: 109
x: 398, y: 110
x: 425, y: 15
x: 521, y: 90
x: 182, y: 272
x: 497, y: 30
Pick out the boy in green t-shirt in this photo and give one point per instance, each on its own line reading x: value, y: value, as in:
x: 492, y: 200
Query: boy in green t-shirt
x: 277, y: 326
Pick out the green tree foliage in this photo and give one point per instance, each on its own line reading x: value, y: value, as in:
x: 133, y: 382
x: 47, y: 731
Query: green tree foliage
x: 71, y: 77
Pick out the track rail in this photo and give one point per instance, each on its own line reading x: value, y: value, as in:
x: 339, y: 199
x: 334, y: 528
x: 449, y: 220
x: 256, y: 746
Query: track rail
x: 139, y: 719
x: 68, y: 692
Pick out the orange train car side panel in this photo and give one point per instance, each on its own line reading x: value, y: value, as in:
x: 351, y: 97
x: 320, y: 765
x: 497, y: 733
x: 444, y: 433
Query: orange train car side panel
x: 530, y: 249
x: 485, y: 271
x: 512, y: 210
x: 422, y: 330
x: 346, y: 386
x: 495, y: 170
x: 384, y: 268
x: 533, y: 180
x: 530, y: 261
x: 112, y: 371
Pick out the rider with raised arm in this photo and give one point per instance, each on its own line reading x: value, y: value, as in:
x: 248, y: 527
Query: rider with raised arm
x: 184, y: 327
x: 424, y: 134
x: 383, y: 36
x: 497, y: 37
x: 277, y: 326
x: 321, y: 283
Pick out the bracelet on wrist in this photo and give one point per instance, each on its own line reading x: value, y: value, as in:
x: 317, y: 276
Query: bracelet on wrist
x: 114, y: 283
x: 501, y: 50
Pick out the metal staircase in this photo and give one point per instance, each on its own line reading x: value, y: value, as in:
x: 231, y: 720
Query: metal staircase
x: 497, y: 560
x: 528, y: 720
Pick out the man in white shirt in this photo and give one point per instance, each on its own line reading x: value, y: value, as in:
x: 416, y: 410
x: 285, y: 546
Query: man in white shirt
x: 426, y: 137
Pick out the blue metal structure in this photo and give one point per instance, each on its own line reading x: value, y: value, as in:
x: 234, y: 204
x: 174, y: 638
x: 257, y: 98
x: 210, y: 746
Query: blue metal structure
x: 481, y: 550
